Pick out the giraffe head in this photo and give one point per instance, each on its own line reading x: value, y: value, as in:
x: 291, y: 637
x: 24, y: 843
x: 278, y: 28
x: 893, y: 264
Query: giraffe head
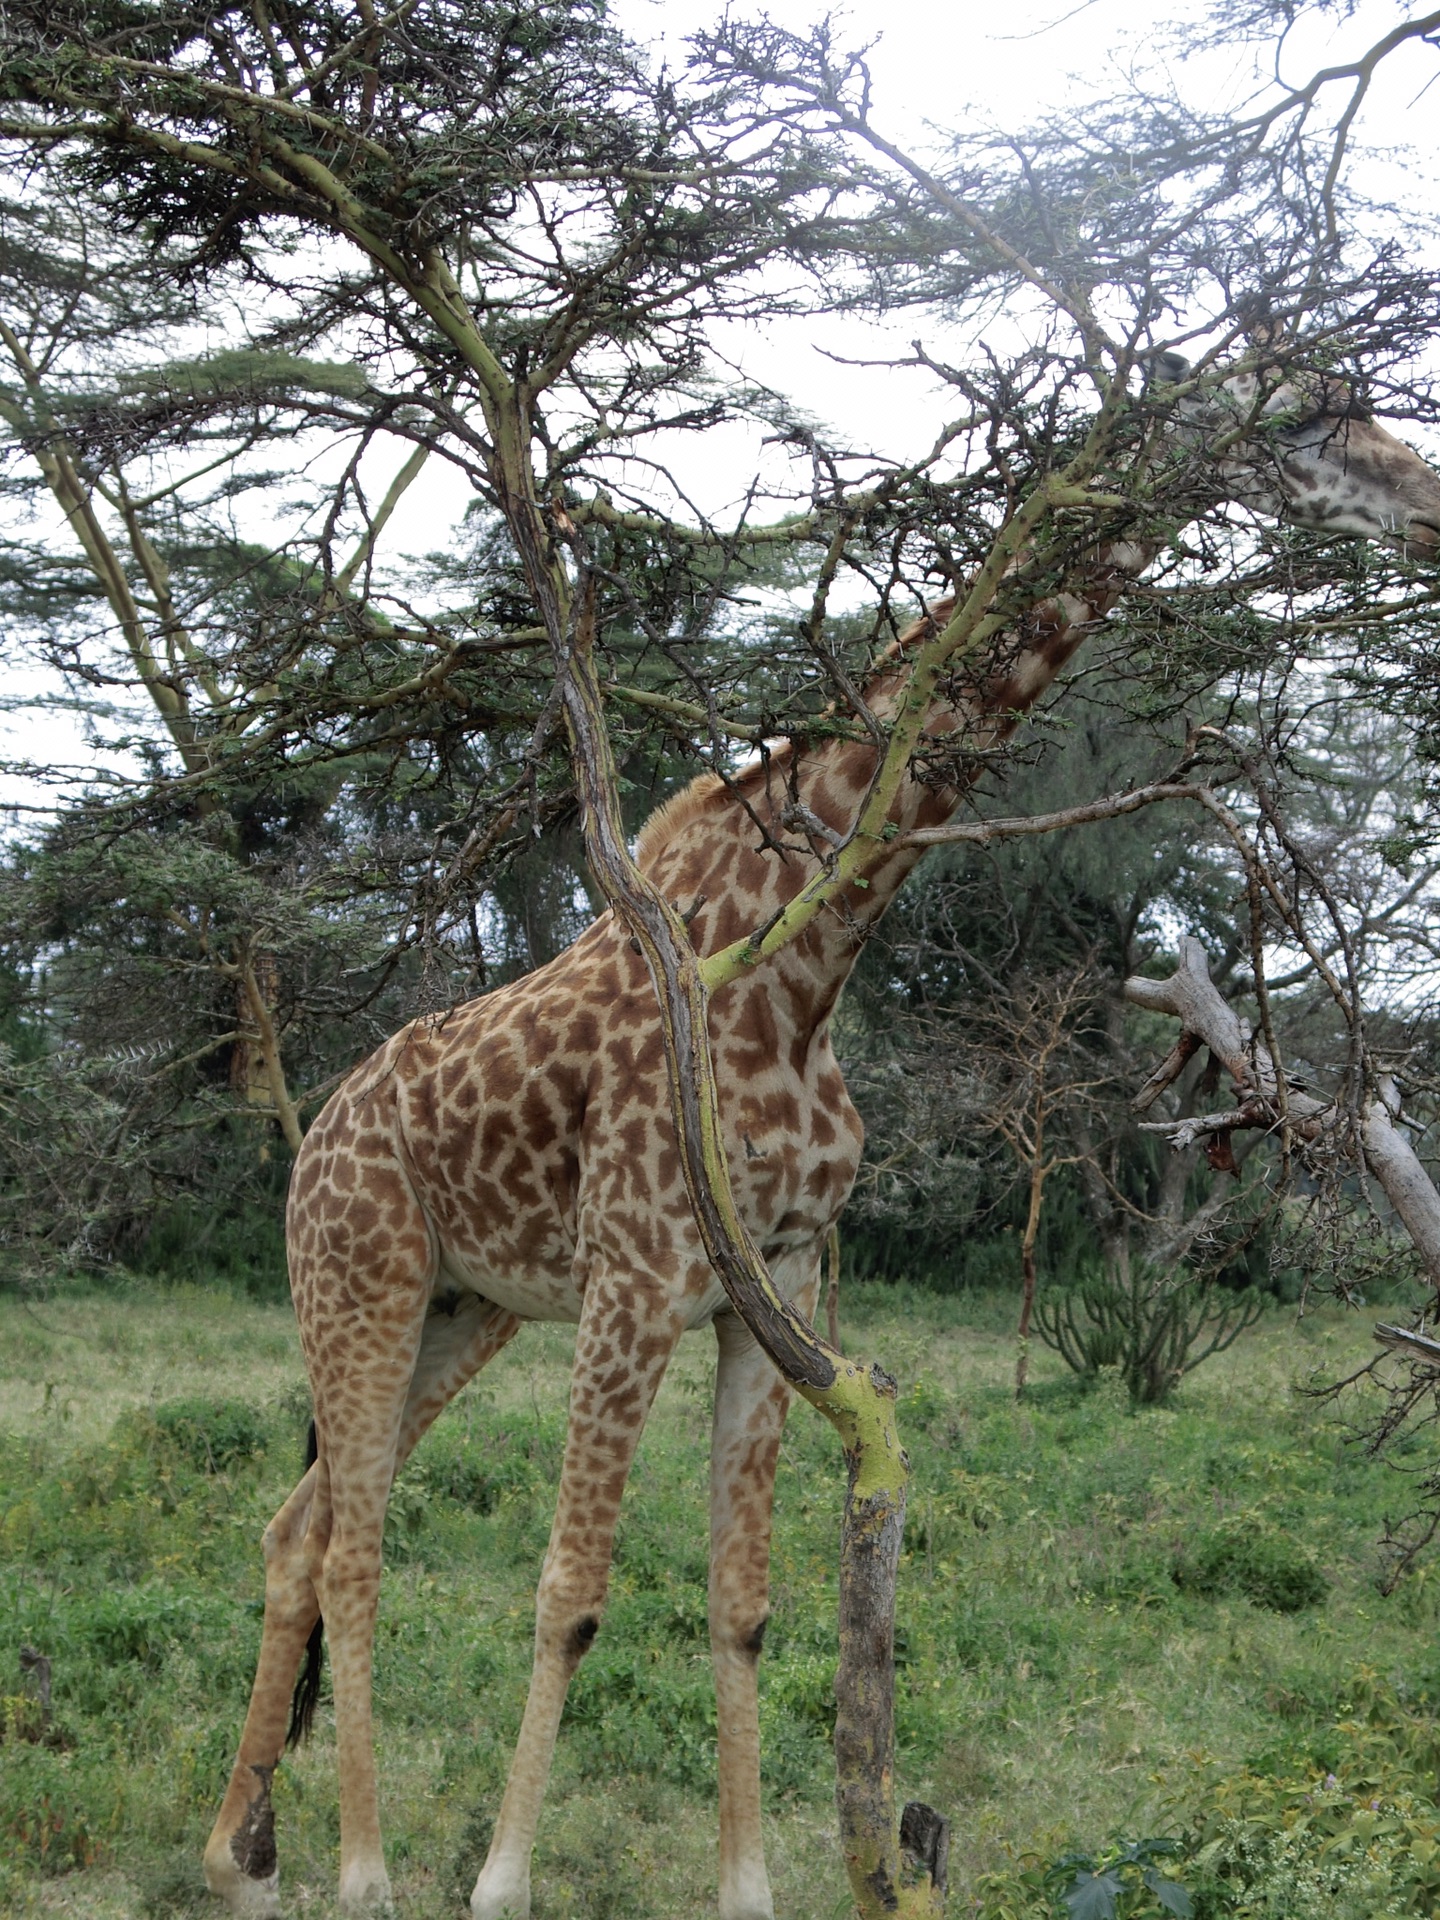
x: 1314, y: 457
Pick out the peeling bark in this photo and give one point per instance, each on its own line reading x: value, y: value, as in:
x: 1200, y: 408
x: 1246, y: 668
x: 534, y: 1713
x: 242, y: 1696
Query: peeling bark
x: 1402, y: 1178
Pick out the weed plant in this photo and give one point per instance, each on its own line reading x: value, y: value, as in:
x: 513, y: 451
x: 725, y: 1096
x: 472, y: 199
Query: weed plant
x: 1116, y: 1625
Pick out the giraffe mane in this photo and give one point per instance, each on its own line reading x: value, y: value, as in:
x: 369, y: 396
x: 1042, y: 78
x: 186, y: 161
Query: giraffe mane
x: 672, y: 816
x: 676, y: 813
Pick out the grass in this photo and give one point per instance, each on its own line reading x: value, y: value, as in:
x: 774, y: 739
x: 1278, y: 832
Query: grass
x: 1085, y: 1620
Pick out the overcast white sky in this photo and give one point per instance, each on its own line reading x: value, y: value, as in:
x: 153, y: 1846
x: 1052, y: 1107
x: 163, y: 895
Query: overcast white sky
x: 935, y: 67
x: 939, y: 67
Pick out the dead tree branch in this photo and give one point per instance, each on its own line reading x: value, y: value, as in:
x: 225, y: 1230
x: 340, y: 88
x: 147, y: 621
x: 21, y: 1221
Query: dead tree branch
x: 1191, y: 997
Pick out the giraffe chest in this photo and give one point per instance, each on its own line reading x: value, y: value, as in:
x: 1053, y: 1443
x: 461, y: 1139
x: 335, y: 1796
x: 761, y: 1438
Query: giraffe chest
x: 793, y: 1133
x: 540, y: 1142
x: 794, y: 1144
x: 793, y: 1138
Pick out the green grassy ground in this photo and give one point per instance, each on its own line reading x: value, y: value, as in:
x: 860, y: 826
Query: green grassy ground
x: 1056, y: 1683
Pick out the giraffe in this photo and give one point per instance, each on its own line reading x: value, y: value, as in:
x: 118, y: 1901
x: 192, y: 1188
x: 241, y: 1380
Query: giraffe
x: 515, y: 1160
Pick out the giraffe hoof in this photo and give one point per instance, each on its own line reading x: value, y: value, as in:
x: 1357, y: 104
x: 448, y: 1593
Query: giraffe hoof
x: 500, y: 1897
x: 365, y: 1895
x: 246, y: 1897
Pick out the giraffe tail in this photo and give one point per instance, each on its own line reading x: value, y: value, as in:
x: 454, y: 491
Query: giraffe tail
x: 307, y: 1688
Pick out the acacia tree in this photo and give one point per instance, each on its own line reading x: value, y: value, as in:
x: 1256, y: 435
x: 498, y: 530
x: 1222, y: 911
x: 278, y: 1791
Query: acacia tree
x: 528, y: 234
x: 274, y: 904
x: 1130, y: 1236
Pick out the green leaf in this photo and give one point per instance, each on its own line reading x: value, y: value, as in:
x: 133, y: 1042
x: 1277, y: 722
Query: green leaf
x: 1094, y: 1896
x: 1171, y: 1895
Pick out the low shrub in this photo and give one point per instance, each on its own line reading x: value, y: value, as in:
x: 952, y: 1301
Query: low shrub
x: 54, y: 1836
x: 119, y: 1650
x: 1123, y: 1882
x: 1316, y: 1849
x: 1358, y: 1840
x: 1247, y: 1554
x: 141, y: 1624
x: 499, y: 1466
x: 46, y: 1825
x: 213, y: 1434
x: 1155, y: 1326
x: 631, y: 1713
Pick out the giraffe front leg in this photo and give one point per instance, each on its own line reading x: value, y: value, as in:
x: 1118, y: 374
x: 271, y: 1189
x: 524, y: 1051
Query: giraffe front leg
x: 751, y: 1401
x: 627, y: 1333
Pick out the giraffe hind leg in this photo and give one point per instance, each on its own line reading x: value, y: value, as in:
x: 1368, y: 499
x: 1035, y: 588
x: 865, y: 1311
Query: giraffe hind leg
x: 457, y: 1342
x: 240, y: 1859
x: 751, y: 1401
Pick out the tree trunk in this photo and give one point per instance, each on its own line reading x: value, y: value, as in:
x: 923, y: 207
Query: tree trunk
x: 249, y: 1076
x: 1263, y: 1099
x: 886, y: 1878
x: 1038, y: 1171
x: 1403, y: 1180
x: 255, y: 973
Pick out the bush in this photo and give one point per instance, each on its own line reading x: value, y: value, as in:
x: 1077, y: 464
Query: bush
x: 1155, y: 1326
x: 1122, y: 1882
x: 233, y: 1235
x: 213, y: 1434
x: 1358, y: 1839
x: 1247, y: 1554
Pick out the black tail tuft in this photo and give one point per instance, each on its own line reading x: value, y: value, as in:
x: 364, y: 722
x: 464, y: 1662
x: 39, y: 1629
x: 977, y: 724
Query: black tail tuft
x: 307, y: 1688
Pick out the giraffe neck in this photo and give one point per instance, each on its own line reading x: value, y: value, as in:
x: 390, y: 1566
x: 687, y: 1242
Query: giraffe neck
x: 736, y: 854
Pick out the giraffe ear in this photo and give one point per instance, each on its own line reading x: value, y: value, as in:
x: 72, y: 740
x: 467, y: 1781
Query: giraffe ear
x: 1256, y: 314
x: 1166, y: 366
x: 1162, y: 369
